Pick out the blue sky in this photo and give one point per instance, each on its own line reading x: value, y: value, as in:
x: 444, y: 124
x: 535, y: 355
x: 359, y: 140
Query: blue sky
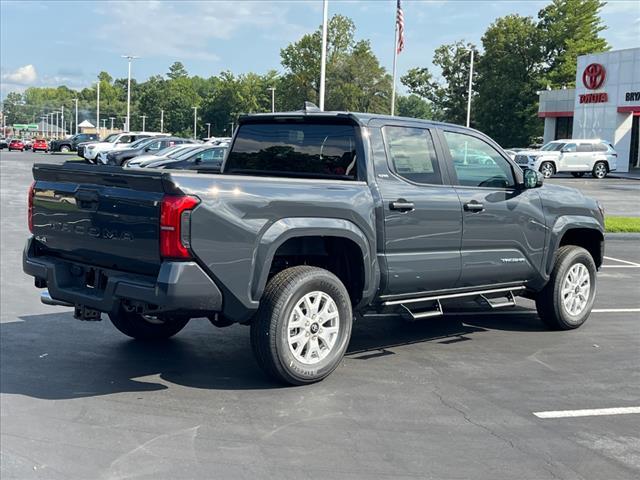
x: 49, y: 43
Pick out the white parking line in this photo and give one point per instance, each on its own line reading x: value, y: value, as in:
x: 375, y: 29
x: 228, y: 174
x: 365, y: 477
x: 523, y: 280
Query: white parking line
x: 615, y: 310
x: 587, y: 412
x: 620, y: 266
x: 533, y: 312
x: 623, y: 261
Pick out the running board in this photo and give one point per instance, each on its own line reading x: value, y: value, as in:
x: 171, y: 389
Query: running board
x: 453, y: 295
x: 510, y: 301
x: 436, y: 312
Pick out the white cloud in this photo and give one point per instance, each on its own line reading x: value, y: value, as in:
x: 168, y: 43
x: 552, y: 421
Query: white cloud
x: 25, y: 75
x: 182, y: 30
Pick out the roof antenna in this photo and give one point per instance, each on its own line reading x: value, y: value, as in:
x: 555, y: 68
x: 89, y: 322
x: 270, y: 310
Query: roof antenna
x: 310, y: 107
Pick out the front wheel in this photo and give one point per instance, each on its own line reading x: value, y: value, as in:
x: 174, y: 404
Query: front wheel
x: 145, y: 327
x: 547, y: 169
x: 566, y: 301
x: 600, y: 170
x: 303, y: 325
x: 65, y: 149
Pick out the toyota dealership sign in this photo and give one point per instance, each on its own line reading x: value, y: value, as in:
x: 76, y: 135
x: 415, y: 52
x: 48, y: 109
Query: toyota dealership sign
x: 593, y: 78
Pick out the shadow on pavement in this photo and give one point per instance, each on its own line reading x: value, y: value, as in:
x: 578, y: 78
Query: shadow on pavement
x: 53, y: 356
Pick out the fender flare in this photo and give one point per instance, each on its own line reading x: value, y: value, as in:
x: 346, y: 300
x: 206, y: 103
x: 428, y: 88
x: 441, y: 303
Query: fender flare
x: 287, y: 228
x: 561, y: 226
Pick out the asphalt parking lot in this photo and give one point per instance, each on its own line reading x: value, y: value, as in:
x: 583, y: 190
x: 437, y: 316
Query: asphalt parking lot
x: 451, y: 398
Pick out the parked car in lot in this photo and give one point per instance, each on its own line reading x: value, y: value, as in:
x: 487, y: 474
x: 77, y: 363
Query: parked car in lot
x: 16, y: 144
x: 4, y: 143
x: 575, y: 156
x: 115, y: 142
x: 71, y: 144
x: 209, y: 157
x: 175, y: 152
x: 145, y: 146
x: 40, y: 145
x: 316, y: 217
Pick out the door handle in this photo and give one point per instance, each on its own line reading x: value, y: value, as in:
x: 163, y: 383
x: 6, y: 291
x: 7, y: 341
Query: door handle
x: 473, y: 206
x: 402, y: 205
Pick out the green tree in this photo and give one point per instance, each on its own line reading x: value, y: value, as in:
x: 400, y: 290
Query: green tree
x: 448, y: 95
x: 569, y: 28
x: 508, y: 79
x: 414, y: 106
x: 177, y: 70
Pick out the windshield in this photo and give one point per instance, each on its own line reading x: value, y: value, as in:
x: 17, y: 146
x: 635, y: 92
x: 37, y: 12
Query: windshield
x: 140, y: 142
x: 168, y: 150
x: 553, y: 146
x: 111, y: 138
x: 300, y: 149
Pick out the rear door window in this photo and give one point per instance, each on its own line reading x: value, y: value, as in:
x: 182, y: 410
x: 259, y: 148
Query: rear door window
x: 299, y: 149
x: 584, y: 147
x: 412, y: 154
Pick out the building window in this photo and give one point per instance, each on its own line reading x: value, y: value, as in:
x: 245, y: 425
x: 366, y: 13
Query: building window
x: 564, y: 128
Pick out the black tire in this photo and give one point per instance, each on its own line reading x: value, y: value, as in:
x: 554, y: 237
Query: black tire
x: 65, y: 149
x: 578, y: 174
x: 269, y: 338
x: 137, y: 326
x: 547, y: 169
x: 549, y: 301
x: 600, y: 170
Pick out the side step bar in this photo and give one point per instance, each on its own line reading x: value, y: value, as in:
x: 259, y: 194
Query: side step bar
x: 452, y: 295
x: 436, y: 309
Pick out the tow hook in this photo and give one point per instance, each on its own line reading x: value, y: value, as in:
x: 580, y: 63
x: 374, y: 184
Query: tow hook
x: 82, y: 312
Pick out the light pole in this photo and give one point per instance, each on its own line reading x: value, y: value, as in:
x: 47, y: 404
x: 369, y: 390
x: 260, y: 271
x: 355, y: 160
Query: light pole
x: 144, y: 120
x: 470, y: 87
x: 62, y: 119
x: 98, y: 108
x: 129, y: 58
x: 232, y: 127
x: 208, y: 130
x: 161, y: 121
x: 104, y: 124
x: 57, y: 126
x: 44, y: 126
x: 273, y: 98
x: 76, y: 100
x: 124, y: 124
x: 195, y: 122
x: 323, y: 55
x: 111, y: 128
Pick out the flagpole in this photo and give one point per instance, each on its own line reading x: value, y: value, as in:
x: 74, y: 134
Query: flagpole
x: 323, y: 58
x: 395, y: 56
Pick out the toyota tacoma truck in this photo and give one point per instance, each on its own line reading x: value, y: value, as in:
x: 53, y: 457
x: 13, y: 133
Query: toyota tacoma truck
x: 318, y: 218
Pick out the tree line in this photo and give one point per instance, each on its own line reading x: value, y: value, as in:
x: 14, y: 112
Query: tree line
x: 518, y: 57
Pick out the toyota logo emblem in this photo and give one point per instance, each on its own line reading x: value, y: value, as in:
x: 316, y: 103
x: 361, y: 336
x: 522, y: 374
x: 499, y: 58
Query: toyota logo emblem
x: 593, y: 76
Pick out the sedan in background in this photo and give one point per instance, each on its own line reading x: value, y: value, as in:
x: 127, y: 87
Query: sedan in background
x: 147, y: 146
x: 208, y: 158
x: 40, y: 145
x: 175, y: 152
x: 16, y: 144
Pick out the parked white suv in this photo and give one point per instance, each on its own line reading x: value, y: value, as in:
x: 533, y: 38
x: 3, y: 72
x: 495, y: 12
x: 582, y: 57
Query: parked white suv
x: 575, y: 156
x: 115, y: 142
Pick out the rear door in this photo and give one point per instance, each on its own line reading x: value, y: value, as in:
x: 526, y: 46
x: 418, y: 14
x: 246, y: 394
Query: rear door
x: 583, y: 158
x: 422, y: 214
x: 503, y: 226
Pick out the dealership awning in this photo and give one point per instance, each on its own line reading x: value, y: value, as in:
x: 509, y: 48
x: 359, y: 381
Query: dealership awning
x: 635, y: 109
x: 555, y: 114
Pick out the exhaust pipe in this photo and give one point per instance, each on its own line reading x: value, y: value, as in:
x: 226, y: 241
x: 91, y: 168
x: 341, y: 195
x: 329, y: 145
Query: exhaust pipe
x: 47, y: 300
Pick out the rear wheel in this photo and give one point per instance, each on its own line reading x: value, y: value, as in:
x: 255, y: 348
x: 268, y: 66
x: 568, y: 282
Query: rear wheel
x: 547, y: 169
x: 145, y: 327
x: 578, y: 174
x: 600, y: 170
x: 303, y: 325
x: 566, y: 301
x: 65, y: 149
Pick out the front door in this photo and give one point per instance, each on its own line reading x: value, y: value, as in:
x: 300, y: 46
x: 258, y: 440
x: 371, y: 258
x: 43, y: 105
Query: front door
x: 503, y: 225
x: 421, y: 211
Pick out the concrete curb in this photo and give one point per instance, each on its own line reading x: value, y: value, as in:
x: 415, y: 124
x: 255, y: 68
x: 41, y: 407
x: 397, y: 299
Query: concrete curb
x: 623, y: 177
x: 622, y: 236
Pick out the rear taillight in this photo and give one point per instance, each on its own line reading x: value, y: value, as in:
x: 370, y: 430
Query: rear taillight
x: 175, y: 226
x: 30, y: 211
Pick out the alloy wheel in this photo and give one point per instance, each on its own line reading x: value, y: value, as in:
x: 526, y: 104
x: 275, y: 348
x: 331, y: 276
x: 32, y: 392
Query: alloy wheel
x: 576, y: 289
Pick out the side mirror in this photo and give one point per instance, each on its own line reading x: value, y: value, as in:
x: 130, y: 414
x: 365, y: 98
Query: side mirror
x: 198, y: 160
x: 532, y: 178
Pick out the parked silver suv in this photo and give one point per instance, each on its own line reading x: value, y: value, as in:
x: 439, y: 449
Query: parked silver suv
x: 575, y: 156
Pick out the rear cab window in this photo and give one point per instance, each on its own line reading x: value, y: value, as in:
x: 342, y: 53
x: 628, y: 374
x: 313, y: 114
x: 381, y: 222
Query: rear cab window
x: 322, y: 148
x: 412, y: 154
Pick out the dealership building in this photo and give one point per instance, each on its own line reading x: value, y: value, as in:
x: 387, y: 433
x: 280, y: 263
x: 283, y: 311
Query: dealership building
x: 605, y: 104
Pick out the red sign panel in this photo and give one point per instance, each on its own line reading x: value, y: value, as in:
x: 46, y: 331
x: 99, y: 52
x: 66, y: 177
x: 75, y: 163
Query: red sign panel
x: 594, y: 98
x: 593, y: 76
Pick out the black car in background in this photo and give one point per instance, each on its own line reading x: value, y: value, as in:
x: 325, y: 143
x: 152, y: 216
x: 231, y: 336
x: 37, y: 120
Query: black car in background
x: 71, y: 144
x: 206, y: 158
x: 146, y: 146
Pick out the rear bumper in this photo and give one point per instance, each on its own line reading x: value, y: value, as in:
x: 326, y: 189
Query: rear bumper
x: 181, y: 287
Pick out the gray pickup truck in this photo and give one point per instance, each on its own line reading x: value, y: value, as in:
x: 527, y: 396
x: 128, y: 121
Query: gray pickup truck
x: 316, y: 219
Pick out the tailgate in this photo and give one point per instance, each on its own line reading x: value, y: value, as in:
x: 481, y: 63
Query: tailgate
x: 99, y: 216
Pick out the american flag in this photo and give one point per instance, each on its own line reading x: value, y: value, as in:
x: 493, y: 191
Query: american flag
x: 400, y: 26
